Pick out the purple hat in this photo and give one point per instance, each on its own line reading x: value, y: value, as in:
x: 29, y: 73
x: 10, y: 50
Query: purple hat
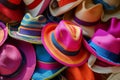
x: 17, y: 60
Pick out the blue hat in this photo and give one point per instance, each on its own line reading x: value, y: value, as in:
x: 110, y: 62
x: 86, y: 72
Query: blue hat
x: 47, y: 67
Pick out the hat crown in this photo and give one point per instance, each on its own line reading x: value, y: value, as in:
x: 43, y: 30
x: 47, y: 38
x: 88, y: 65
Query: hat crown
x: 68, y: 35
x: 89, y: 12
x: 10, y: 59
x: 106, y: 41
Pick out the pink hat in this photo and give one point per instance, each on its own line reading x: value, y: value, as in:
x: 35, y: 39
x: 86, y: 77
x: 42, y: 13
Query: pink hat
x: 3, y: 33
x: 105, y: 47
x: 59, y: 7
x: 64, y: 42
x: 17, y: 60
x: 36, y: 7
x: 87, y: 15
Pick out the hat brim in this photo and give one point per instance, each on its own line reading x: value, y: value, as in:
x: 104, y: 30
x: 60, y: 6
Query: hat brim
x: 3, y: 33
x: 15, y: 15
x: 72, y: 73
x: 13, y: 32
x: 76, y: 60
x: 101, y: 69
x: 30, y: 57
x: 108, y: 15
x: 61, y: 10
x: 40, y: 8
x: 42, y: 74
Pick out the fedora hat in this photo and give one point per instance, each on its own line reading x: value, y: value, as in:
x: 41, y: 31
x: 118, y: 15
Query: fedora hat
x: 101, y: 67
x: 36, y: 7
x: 105, y: 47
x: 46, y: 67
x: 14, y: 10
x: 87, y: 15
x: 17, y: 60
x: 111, y: 9
x: 29, y: 30
x: 3, y: 33
x: 59, y: 7
x: 79, y: 73
x: 64, y: 42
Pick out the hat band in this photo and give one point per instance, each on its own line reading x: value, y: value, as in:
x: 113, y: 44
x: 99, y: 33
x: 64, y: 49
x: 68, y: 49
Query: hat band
x: 105, y: 5
x: 59, y: 47
x: 9, y: 4
x: 19, y: 68
x: 34, y: 4
x: 48, y: 65
x: 85, y: 23
x: 105, y: 53
x: 52, y: 18
x: 29, y: 32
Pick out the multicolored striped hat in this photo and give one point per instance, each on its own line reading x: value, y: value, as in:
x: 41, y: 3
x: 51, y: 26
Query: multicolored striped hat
x: 29, y: 30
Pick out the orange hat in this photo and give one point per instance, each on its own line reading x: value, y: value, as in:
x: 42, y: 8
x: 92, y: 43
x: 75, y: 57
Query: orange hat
x: 79, y: 73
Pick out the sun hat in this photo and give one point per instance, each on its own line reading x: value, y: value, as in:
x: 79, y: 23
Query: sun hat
x: 3, y: 33
x: 79, y: 73
x: 111, y: 9
x: 64, y: 42
x: 36, y: 7
x: 17, y: 60
x: 87, y: 15
x: 101, y: 67
x: 59, y: 7
x: 114, y: 76
x: 47, y: 68
x: 105, y: 47
x: 12, y: 9
x: 29, y: 30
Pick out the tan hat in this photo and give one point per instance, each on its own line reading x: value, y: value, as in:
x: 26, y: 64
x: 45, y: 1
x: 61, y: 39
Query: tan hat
x: 86, y: 14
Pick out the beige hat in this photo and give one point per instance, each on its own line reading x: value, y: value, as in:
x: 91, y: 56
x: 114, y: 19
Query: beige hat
x: 59, y: 7
x: 114, y: 76
x: 87, y: 15
x: 111, y: 9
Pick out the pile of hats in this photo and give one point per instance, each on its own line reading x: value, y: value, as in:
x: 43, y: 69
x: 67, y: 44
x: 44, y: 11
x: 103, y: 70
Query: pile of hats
x: 59, y: 39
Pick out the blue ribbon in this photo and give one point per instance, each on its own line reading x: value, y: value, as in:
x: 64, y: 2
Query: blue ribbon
x: 59, y: 47
x: 112, y: 57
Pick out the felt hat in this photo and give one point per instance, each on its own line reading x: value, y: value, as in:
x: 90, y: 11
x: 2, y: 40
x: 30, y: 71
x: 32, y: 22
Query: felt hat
x: 36, y: 7
x: 13, y: 9
x: 111, y: 9
x: 79, y: 73
x: 105, y: 47
x: 101, y: 67
x: 64, y: 42
x: 59, y: 7
x: 29, y: 30
x: 17, y: 60
x: 87, y: 15
x: 46, y: 68
x: 3, y: 33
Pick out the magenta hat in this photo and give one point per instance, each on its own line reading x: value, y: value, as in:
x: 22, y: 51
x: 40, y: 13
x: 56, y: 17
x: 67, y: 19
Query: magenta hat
x: 105, y: 47
x: 64, y: 42
x: 17, y: 60
x: 36, y: 7
x: 3, y: 33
